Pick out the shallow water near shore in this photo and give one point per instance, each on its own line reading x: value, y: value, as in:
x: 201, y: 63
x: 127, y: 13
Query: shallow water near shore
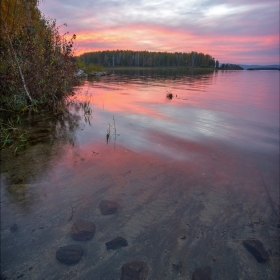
x: 193, y: 176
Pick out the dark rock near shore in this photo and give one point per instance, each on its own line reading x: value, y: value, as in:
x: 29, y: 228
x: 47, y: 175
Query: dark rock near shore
x: 69, y: 254
x: 203, y: 273
x: 83, y: 230
x: 98, y: 74
x: 116, y: 243
x: 108, y: 207
x: 81, y: 73
x: 137, y: 270
x: 255, y: 247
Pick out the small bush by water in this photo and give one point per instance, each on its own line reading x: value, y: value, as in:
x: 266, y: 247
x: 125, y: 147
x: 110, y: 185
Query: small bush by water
x: 37, y: 63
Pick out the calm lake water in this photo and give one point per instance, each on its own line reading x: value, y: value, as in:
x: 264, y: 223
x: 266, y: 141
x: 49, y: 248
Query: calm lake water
x: 193, y: 177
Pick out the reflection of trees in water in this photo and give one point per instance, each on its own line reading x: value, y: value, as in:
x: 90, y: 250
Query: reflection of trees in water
x: 48, y: 137
x: 191, y: 77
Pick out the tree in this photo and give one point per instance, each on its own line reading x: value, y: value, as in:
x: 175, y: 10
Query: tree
x: 37, y: 64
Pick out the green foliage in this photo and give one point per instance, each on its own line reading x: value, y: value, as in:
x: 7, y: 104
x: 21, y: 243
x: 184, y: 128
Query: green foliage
x: 11, y: 135
x: 80, y: 64
x: 231, y: 67
x: 37, y: 63
x: 129, y: 58
x: 91, y: 68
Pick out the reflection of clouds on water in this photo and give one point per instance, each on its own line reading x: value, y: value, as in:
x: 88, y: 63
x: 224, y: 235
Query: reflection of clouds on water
x: 213, y: 106
x: 190, y: 124
x: 175, y: 171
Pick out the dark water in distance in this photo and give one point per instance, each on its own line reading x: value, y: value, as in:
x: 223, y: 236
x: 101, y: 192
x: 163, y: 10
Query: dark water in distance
x: 193, y: 177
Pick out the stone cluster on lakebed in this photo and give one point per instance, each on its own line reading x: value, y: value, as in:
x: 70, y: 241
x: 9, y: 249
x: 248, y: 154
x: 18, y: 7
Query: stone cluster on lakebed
x: 83, y: 230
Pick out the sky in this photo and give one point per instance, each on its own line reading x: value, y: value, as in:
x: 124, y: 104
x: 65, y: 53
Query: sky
x: 231, y: 31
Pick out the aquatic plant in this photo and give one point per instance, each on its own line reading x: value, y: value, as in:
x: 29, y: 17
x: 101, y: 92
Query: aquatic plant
x: 11, y: 135
x: 169, y: 95
x: 108, y: 135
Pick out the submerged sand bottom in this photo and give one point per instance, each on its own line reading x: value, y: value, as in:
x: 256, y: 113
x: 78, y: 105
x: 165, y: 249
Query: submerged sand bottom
x: 173, y: 213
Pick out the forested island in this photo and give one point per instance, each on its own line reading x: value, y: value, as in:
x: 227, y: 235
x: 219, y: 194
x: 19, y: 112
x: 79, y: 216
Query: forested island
x: 129, y: 58
x: 229, y: 66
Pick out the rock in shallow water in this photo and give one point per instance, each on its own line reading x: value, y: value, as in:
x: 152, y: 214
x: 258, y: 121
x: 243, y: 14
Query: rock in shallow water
x: 69, y: 254
x: 134, y: 271
x: 116, y: 243
x: 14, y: 228
x: 108, y: 207
x: 82, y: 230
x: 203, y: 273
x: 255, y: 247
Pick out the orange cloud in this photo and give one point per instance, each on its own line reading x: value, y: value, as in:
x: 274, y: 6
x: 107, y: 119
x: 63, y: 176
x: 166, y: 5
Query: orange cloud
x: 158, y: 38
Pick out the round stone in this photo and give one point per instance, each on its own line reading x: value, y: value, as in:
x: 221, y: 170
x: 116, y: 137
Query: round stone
x: 137, y: 270
x: 108, y: 207
x: 69, y: 254
x: 83, y: 230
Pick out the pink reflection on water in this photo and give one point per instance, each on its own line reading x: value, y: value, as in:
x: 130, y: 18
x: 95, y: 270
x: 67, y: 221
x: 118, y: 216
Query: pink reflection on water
x: 241, y: 107
x: 237, y: 92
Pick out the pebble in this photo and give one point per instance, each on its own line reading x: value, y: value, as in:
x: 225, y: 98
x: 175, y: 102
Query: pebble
x: 108, y: 207
x: 203, y: 273
x: 255, y: 247
x: 137, y: 270
x: 69, y: 254
x: 116, y: 243
x: 82, y: 230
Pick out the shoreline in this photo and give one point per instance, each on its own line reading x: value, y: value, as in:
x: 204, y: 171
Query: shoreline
x: 158, y: 68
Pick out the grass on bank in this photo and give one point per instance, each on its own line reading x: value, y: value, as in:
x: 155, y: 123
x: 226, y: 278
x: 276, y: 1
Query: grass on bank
x: 89, y: 68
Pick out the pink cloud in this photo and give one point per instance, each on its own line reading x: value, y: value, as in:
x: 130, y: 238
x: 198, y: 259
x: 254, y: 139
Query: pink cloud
x: 231, y: 31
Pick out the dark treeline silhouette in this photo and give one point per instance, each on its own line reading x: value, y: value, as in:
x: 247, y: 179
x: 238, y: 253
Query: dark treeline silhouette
x: 147, y: 59
x: 228, y: 66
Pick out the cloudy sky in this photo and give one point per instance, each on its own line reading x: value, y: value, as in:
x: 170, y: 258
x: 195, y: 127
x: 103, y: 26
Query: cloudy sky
x: 232, y: 31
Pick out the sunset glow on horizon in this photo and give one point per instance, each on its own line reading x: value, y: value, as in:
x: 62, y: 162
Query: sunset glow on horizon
x: 230, y: 31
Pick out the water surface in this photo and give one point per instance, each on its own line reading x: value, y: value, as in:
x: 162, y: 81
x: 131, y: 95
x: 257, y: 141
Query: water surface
x: 193, y: 176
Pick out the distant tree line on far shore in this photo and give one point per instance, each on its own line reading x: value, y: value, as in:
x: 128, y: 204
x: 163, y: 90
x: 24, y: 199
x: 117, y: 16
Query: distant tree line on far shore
x: 120, y: 58
x: 228, y: 66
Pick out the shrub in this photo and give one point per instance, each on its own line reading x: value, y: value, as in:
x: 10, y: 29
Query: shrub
x: 37, y: 63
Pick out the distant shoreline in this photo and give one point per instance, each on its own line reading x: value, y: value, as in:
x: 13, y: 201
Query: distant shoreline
x: 141, y: 68
x: 159, y: 68
x: 265, y: 68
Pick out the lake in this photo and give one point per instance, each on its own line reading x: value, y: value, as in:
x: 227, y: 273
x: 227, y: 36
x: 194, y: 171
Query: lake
x: 192, y: 177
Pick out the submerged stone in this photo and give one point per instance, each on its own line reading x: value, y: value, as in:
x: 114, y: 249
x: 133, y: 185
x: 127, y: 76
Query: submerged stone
x: 116, y: 243
x: 108, y: 207
x: 203, y: 273
x: 14, y: 228
x: 137, y: 270
x: 178, y: 267
x: 69, y: 254
x: 255, y: 247
x: 83, y: 230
